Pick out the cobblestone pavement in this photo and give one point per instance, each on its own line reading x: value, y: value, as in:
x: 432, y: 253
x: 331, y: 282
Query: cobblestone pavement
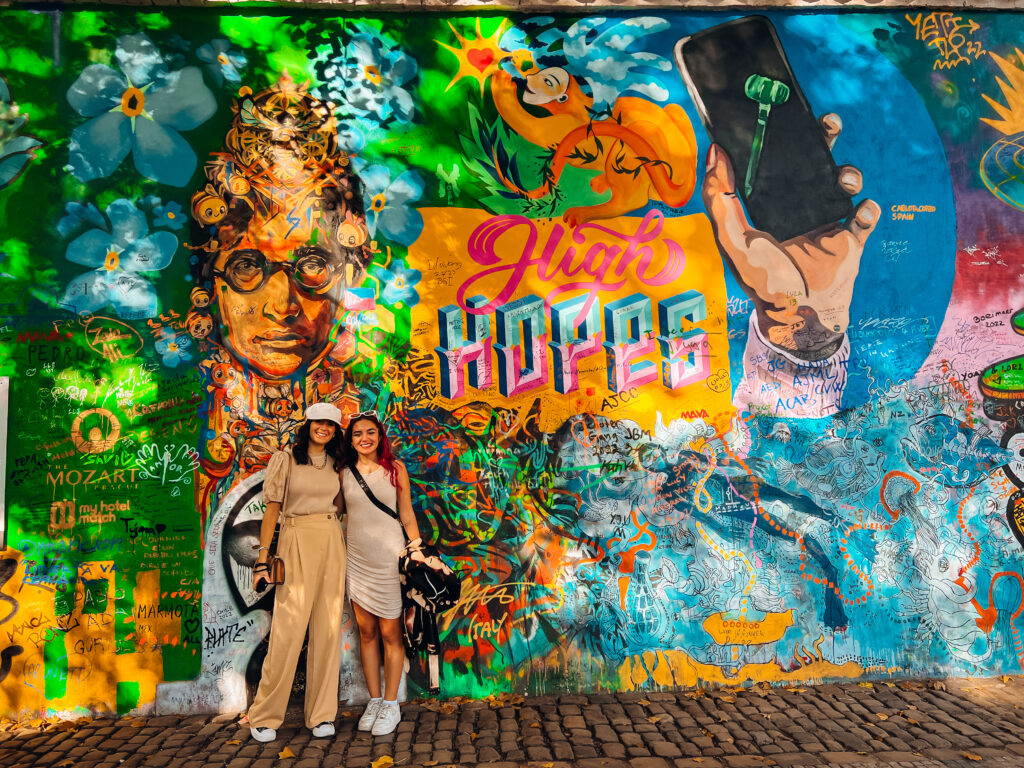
x: 903, y: 724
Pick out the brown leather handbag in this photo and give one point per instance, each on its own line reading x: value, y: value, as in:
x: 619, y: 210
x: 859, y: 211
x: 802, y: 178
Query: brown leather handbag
x: 275, y: 573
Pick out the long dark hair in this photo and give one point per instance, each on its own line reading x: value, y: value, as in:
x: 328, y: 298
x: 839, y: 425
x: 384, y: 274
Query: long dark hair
x: 384, y: 454
x: 333, y: 448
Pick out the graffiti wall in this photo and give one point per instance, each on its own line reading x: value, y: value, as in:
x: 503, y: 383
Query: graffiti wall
x: 700, y: 336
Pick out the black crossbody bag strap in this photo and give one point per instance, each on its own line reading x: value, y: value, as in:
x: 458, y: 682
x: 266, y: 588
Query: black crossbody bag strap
x: 379, y: 504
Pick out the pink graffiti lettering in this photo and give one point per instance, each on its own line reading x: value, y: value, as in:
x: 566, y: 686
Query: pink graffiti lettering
x: 604, y: 264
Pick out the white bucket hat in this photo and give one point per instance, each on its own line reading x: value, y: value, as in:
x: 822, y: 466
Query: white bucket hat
x: 323, y: 412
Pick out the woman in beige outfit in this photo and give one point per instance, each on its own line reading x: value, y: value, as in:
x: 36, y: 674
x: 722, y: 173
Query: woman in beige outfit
x: 311, y: 544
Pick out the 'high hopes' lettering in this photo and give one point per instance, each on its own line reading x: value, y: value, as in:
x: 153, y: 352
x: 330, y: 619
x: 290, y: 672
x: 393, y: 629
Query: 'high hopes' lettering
x: 603, y: 266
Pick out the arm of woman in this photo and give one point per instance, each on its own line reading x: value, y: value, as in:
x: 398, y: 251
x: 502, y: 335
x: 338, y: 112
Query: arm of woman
x: 405, y: 514
x: 339, y: 500
x: 267, y: 527
x: 273, y: 490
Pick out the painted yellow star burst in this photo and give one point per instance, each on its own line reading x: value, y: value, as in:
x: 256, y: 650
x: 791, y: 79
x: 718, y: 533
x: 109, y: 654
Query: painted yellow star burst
x: 478, y: 58
x: 1012, y: 113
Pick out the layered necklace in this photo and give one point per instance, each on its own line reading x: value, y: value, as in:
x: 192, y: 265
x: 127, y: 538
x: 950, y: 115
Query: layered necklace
x: 322, y: 464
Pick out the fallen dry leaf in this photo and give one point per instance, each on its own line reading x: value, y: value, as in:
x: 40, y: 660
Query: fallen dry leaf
x: 138, y: 724
x: 382, y: 761
x: 1005, y: 678
x: 65, y: 763
x: 727, y: 698
x: 644, y: 703
x: 866, y: 685
x: 912, y: 721
x: 881, y: 716
x: 656, y: 718
x: 430, y: 762
x: 547, y: 765
x: 971, y: 756
x: 285, y: 753
x: 535, y: 725
x: 234, y: 741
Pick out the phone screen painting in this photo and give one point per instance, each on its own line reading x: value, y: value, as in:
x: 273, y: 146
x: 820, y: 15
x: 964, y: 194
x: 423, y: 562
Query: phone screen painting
x: 752, y: 107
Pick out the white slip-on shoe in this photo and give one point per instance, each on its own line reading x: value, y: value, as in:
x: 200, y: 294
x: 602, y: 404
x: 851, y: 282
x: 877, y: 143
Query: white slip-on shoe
x: 369, y: 715
x: 388, y: 719
x: 263, y: 734
x: 323, y: 730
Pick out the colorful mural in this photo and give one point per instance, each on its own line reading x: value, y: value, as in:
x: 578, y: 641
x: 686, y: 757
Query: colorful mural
x: 699, y: 334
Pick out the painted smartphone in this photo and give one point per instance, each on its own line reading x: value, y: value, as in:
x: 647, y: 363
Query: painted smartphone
x: 752, y: 106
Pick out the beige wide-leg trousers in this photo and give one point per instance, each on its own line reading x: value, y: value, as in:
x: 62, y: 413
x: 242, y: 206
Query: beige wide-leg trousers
x: 313, y: 549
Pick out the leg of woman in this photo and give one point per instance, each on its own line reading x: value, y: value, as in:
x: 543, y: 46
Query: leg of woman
x: 369, y: 652
x: 369, y: 648
x: 292, y: 607
x: 394, y: 656
x: 323, y: 661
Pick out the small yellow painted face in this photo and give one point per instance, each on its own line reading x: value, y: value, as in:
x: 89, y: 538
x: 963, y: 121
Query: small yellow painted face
x: 200, y: 298
x: 210, y: 209
x: 200, y: 325
x: 351, y: 234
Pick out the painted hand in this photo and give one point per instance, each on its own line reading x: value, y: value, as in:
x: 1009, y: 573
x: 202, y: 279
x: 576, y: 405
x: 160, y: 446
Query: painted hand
x: 801, y: 288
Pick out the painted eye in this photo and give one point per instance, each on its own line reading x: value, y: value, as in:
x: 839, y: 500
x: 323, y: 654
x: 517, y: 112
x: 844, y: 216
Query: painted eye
x: 313, y: 271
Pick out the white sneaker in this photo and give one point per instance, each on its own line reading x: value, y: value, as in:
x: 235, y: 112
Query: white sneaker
x: 388, y: 719
x: 263, y: 734
x: 369, y: 715
x: 323, y: 730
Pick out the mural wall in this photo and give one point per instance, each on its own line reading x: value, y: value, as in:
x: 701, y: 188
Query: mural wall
x: 700, y: 336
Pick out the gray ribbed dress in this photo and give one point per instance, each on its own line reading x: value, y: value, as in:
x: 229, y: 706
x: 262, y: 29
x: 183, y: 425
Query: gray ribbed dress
x: 373, y: 539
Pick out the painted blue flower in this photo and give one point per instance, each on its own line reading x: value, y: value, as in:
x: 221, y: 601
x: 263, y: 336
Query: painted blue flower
x: 222, y: 62
x: 169, y: 215
x: 399, y: 284
x: 78, y: 214
x: 350, y: 138
x: 118, y: 254
x: 138, y: 110
x: 15, y: 150
x: 367, y: 75
x: 385, y: 203
x: 174, y: 347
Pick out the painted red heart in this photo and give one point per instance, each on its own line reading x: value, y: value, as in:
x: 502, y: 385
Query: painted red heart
x: 481, y: 59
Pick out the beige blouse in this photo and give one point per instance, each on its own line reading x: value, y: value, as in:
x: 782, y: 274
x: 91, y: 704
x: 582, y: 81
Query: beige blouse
x: 311, y: 491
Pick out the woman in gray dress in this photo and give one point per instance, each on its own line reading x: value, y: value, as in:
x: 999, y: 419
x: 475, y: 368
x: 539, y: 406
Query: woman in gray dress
x: 374, y: 540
